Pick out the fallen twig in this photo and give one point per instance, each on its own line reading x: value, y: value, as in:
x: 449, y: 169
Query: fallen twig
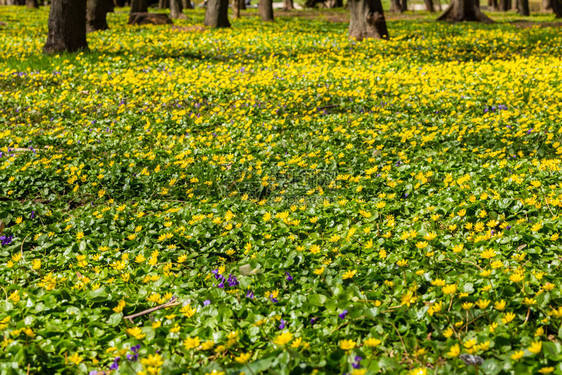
x: 170, y: 303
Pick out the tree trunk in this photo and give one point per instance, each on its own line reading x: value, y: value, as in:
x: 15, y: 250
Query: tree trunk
x: 67, y: 27
x: 367, y: 20
x: 429, y: 6
x: 557, y: 8
x: 266, y: 10
x: 186, y: 4
x: 546, y: 5
x: 176, y: 9
x: 243, y: 4
x: 330, y: 4
x: 403, y: 5
x: 463, y: 10
x: 236, y: 8
x: 288, y: 4
x: 139, y: 6
x: 216, y: 14
x: 524, y: 8
x: 395, y: 6
x: 96, y: 14
x: 119, y: 3
x: 32, y: 3
x: 163, y: 4
x: 505, y: 5
x: 493, y: 4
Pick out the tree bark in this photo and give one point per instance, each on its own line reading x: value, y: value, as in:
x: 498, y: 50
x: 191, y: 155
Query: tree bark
x: 429, y: 6
x: 505, y: 5
x: 463, y: 10
x: 288, y: 4
x: 67, y: 27
x: 403, y: 5
x: 557, y: 8
x: 236, y: 8
x: 139, y: 6
x: 186, y: 4
x: 493, y: 5
x: 176, y: 9
x: 266, y: 10
x: 243, y: 5
x: 163, y: 4
x: 330, y: 4
x: 367, y: 20
x: 32, y: 3
x: 395, y: 6
x: 524, y: 8
x: 546, y: 5
x: 216, y: 14
x: 96, y: 14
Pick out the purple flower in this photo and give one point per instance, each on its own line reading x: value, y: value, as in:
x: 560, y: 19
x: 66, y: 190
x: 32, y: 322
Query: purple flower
x: 33, y: 214
x: 289, y: 277
x: 282, y: 325
x: 343, y: 314
x: 206, y: 302
x: 313, y: 321
x: 5, y: 240
x: 250, y: 294
x: 115, y: 364
x: 232, y: 281
x: 357, y: 363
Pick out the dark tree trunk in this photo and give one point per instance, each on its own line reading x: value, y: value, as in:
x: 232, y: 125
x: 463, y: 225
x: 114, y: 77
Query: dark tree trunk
x: 176, y: 9
x: 96, y: 14
x: 32, y: 3
x: 288, y: 4
x: 236, y: 8
x: 163, y: 4
x: 139, y: 6
x: 395, y: 6
x: 334, y: 4
x: 243, y: 5
x: 557, y: 8
x: 216, y: 14
x: 118, y: 3
x: 367, y: 20
x: 493, y: 4
x: 477, y: 3
x: 463, y: 10
x: 429, y: 6
x: 505, y: 5
x: 524, y: 8
x: 403, y: 5
x: 546, y: 5
x: 266, y: 10
x: 186, y: 4
x: 67, y: 26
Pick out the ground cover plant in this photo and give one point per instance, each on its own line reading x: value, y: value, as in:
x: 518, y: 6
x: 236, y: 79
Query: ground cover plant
x: 302, y: 203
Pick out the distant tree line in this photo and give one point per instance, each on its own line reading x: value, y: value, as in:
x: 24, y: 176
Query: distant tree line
x: 69, y: 20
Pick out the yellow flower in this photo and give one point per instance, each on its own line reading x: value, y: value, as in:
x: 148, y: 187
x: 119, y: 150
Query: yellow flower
x: 418, y: 371
x: 319, y: 271
x: 454, y: 351
x: 283, y: 338
x: 508, y: 317
x: 483, y: 303
x: 546, y: 370
x: 349, y: 274
x: 188, y: 311
x: 136, y: 332
x: 488, y: 253
x: 535, y: 347
x: 191, y: 342
x: 458, y: 248
x: 267, y: 216
x: 243, y: 358
x: 207, y: 345
x: 347, y: 344
x: 75, y: 359
x: 500, y: 305
x: 449, y: 289
x: 516, y: 277
x: 372, y: 342
x: 517, y: 355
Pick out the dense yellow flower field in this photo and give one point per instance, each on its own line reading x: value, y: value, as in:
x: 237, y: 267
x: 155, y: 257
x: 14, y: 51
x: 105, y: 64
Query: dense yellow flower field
x: 279, y: 198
